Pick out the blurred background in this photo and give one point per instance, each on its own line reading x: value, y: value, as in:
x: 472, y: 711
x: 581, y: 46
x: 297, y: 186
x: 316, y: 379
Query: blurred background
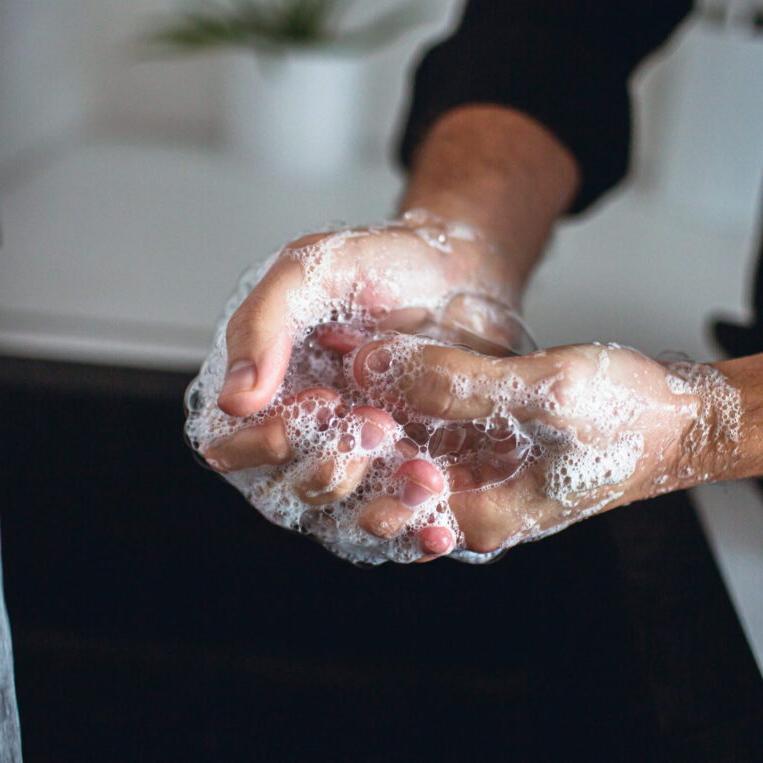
x: 157, y: 618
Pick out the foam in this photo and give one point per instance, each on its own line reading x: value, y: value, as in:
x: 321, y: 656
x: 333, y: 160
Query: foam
x: 718, y: 417
x: 580, y: 465
x: 320, y: 430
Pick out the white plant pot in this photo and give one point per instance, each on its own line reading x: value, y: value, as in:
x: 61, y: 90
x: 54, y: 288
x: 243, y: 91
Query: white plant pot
x: 300, y: 113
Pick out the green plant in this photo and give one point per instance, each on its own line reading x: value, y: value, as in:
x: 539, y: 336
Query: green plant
x: 272, y: 25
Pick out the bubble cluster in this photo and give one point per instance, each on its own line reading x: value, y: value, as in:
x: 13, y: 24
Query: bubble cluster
x: 718, y: 417
x: 579, y: 469
x: 324, y: 432
x: 719, y: 400
x: 597, y: 448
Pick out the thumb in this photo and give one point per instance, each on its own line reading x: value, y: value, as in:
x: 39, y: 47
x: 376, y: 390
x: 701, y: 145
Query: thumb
x: 259, y: 342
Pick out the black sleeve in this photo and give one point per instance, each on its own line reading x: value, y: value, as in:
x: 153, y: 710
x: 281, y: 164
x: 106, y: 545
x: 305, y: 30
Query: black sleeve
x: 563, y: 62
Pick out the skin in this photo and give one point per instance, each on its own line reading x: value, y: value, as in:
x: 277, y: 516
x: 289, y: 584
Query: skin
x: 665, y: 420
x: 505, y: 174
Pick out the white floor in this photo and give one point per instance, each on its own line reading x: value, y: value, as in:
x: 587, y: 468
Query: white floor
x: 126, y: 254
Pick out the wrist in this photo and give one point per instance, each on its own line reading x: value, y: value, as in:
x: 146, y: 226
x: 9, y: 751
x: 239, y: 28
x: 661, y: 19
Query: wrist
x: 459, y: 207
x: 455, y: 233
x: 710, y: 443
x: 708, y: 423
x: 681, y: 433
x: 498, y: 170
x: 740, y: 453
x: 710, y: 431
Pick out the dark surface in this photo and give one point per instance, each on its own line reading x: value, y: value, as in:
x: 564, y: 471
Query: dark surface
x: 158, y: 618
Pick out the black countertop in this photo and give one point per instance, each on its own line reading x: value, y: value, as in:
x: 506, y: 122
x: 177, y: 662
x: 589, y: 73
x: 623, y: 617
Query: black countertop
x: 156, y: 616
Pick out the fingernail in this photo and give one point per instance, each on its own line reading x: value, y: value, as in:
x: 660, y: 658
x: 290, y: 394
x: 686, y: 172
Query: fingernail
x: 439, y: 541
x: 379, y: 361
x: 413, y: 494
x: 241, y: 377
x: 371, y: 435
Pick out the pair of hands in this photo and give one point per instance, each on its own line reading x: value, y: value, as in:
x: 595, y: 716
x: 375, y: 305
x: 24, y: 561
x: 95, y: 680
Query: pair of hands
x: 605, y: 424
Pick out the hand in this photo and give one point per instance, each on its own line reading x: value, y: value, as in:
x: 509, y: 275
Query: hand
x: 419, y: 272
x: 490, y: 167
x: 399, y: 275
x: 607, y: 424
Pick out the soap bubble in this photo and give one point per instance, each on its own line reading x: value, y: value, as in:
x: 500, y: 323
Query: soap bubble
x: 579, y: 424
x: 322, y: 432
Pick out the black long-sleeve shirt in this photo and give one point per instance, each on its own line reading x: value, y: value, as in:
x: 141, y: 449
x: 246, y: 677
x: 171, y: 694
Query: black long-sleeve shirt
x: 564, y: 62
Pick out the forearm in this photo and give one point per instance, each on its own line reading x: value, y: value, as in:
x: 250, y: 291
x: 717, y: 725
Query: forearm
x: 500, y: 171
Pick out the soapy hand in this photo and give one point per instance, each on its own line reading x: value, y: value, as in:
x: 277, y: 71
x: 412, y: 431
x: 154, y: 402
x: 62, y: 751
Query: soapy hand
x: 408, y: 448
x: 608, y: 426
x: 399, y: 274
x: 416, y: 274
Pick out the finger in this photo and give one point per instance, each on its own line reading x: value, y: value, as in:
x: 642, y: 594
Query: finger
x: 323, y: 486
x: 436, y: 541
x: 343, y: 338
x: 482, y: 518
x: 422, y: 481
x: 490, y: 518
x: 250, y: 447
x: 384, y: 517
x: 377, y: 427
x: 320, y: 401
x: 265, y: 443
x: 259, y: 341
x: 338, y: 337
x: 433, y: 370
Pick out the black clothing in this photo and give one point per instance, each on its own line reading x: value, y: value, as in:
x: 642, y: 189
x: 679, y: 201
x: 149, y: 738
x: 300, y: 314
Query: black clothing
x: 565, y: 63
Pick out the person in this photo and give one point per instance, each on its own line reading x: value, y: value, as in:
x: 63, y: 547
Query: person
x: 520, y: 117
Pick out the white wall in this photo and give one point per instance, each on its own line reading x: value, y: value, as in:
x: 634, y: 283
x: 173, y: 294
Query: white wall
x: 41, y: 73
x: 132, y: 93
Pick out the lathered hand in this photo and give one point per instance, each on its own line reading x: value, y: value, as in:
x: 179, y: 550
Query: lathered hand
x: 601, y: 426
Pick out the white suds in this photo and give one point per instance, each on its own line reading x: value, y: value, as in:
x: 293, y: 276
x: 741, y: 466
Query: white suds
x: 599, y: 447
